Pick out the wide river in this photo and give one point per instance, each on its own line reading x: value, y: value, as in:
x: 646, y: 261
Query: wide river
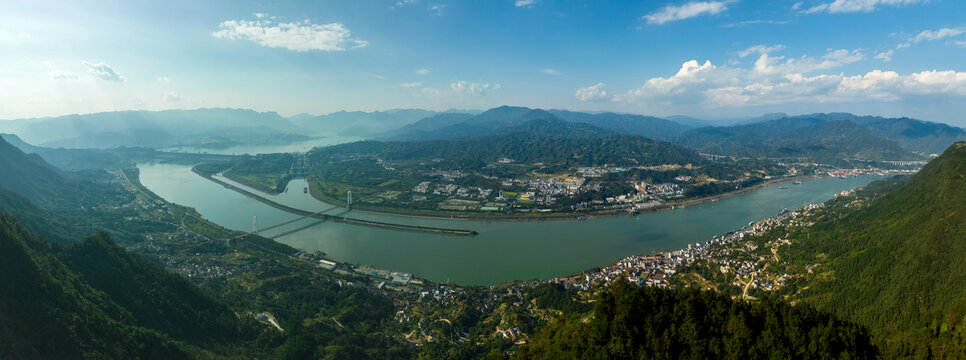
x: 502, y: 251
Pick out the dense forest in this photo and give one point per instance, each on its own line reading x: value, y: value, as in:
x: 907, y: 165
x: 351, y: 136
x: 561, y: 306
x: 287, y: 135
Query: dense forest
x: 896, y: 260
x: 617, y: 150
x: 631, y: 322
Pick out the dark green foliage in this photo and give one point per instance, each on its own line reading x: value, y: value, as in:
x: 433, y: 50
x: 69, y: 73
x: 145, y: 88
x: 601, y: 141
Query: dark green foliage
x: 154, y: 297
x: 28, y: 175
x: 506, y: 119
x: 47, y: 311
x: 895, y: 265
x: 34, y: 218
x: 916, y: 135
x: 618, y: 150
x: 653, y: 323
x: 554, y: 296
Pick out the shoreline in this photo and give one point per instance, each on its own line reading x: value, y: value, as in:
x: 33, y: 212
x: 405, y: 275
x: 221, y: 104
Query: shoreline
x: 336, y: 218
x: 572, y: 216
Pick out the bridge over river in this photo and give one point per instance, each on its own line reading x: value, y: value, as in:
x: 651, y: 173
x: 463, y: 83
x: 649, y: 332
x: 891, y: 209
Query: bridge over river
x: 321, y: 215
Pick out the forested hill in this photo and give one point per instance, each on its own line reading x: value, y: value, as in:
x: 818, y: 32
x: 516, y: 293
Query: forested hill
x: 526, y: 147
x: 826, y: 142
x: 50, y: 309
x: 504, y: 119
x: 879, y: 137
x: 28, y: 174
x: 895, y: 263
x: 44, y: 185
x: 653, y: 323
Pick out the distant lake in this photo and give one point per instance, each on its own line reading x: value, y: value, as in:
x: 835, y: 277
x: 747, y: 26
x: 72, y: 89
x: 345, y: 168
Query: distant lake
x: 502, y: 251
x: 301, y: 146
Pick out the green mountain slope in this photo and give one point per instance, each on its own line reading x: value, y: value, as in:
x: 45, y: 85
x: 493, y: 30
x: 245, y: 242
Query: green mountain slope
x: 155, y: 298
x: 653, y: 323
x: 537, y: 141
x: 28, y: 175
x: 901, y: 133
x: 504, y: 119
x: 829, y: 142
x: 896, y: 264
x: 47, y: 311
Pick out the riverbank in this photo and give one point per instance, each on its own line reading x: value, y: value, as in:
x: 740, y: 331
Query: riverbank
x: 567, y: 216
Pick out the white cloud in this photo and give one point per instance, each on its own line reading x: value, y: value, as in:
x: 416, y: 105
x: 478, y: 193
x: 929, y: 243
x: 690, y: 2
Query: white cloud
x: 689, y: 10
x: 525, y: 3
x: 775, y: 82
x: 472, y: 87
x: 103, y: 71
x: 164, y: 79
x: 960, y: 43
x: 298, y: 36
x: 767, y: 65
x: 755, y: 22
x: 437, y: 9
x: 885, y: 55
x: 930, y: 35
x: 172, y: 96
x: 410, y: 85
x: 760, y: 50
x: 422, y: 71
x: 925, y: 35
x: 58, y: 74
x: 593, y: 92
x: 851, y: 6
x: 683, y: 86
x: 549, y: 71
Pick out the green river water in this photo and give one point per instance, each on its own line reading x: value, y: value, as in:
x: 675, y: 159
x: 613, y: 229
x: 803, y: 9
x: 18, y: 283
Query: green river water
x: 503, y: 251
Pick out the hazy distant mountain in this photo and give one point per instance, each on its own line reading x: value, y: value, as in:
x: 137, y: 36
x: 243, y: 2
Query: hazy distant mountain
x: 689, y: 121
x: 359, y: 123
x: 212, y: 127
x: 439, y: 126
x: 504, y: 118
x: 817, y: 130
x: 916, y: 135
x: 647, y: 126
x: 69, y: 159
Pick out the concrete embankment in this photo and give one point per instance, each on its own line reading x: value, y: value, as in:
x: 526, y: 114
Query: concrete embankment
x: 336, y: 218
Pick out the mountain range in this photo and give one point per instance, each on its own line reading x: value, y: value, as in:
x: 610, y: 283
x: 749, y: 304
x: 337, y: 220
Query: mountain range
x: 202, y: 127
x: 813, y: 136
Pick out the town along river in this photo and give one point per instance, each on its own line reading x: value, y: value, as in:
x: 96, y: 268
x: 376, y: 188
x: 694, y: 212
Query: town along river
x: 503, y: 250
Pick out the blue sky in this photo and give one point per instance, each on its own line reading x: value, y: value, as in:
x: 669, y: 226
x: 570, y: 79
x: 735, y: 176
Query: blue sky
x: 710, y: 58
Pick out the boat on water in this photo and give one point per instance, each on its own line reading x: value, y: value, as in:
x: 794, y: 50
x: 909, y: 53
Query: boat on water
x: 305, y: 190
x: 784, y: 187
x: 797, y: 182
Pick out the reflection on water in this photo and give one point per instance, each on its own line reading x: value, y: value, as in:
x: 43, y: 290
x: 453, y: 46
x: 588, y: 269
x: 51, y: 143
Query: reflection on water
x: 502, y: 251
